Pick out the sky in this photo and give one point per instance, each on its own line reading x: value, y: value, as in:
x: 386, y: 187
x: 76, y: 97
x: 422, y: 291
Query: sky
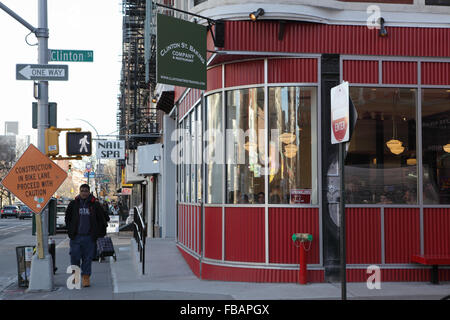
x: 93, y: 87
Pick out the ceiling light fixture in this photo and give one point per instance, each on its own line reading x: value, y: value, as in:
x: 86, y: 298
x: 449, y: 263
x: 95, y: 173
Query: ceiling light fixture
x: 287, y: 137
x: 447, y: 148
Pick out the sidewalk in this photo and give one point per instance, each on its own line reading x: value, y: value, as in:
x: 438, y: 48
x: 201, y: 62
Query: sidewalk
x: 169, y: 278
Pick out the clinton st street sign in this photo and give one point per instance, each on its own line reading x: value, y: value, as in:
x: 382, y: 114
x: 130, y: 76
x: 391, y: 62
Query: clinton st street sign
x: 71, y: 55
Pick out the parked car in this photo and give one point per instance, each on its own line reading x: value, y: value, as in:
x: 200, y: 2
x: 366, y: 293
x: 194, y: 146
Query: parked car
x: 9, y: 211
x: 25, y: 212
x: 60, y: 217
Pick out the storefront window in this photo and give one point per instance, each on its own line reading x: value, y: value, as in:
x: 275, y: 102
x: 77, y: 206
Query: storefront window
x: 181, y: 166
x: 199, y: 152
x: 245, y: 147
x: 214, y: 149
x: 187, y: 157
x: 436, y: 146
x: 381, y: 165
x: 292, y: 160
x: 193, y: 161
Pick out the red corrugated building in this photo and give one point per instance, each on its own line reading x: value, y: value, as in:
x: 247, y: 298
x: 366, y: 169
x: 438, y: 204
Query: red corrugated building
x: 273, y: 77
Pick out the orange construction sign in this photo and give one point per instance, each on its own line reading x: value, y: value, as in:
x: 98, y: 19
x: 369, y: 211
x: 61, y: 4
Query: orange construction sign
x: 34, y: 179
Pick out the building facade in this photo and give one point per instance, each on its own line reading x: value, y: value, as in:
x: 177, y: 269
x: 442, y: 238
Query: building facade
x: 255, y: 161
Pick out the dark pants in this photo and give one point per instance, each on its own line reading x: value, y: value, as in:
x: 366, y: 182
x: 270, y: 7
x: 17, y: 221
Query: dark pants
x: 82, y: 248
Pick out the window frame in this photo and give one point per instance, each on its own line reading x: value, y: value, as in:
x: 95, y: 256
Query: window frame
x: 266, y: 85
x: 419, y: 87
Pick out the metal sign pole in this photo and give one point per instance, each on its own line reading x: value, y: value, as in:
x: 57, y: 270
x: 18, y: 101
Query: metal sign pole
x: 41, y: 277
x: 342, y: 239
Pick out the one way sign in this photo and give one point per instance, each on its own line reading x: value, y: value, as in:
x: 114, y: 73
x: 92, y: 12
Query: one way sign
x: 44, y: 72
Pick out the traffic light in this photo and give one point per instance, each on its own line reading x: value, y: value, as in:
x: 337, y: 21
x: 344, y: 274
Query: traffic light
x: 70, y: 167
x: 51, y: 141
x: 79, y: 143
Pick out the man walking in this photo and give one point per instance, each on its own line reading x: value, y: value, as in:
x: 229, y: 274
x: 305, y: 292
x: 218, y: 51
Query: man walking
x: 85, y: 223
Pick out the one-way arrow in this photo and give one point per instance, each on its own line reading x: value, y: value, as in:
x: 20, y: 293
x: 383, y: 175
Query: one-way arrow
x: 42, y: 72
x: 26, y: 72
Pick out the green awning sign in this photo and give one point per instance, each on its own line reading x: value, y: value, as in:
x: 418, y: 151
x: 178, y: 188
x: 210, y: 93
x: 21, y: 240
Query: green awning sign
x: 181, y: 53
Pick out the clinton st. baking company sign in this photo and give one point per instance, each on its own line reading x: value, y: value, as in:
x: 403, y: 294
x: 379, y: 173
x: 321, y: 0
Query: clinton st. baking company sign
x: 181, y: 58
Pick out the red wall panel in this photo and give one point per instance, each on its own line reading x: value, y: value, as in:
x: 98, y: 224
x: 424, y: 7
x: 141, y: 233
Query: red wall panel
x: 292, y: 70
x: 214, y: 76
x: 402, y: 234
x: 320, y: 38
x: 435, y: 73
x: 178, y: 93
x: 283, y: 222
x: 192, y: 261
x: 360, y: 71
x: 436, y: 227
x: 244, y: 73
x: 244, y: 234
x: 399, y: 72
x: 213, y: 233
x: 363, y: 233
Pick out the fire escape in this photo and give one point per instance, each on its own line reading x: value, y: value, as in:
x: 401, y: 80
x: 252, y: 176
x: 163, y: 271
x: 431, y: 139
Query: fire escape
x: 136, y: 118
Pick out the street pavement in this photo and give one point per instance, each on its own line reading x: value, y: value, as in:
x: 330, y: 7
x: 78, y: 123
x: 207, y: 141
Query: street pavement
x: 168, y: 277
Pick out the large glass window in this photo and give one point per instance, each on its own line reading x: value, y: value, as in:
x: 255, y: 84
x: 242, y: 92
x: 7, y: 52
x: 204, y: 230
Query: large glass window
x: 245, y: 146
x: 292, y: 153
x: 436, y: 146
x: 193, y: 161
x: 199, y: 152
x: 181, y: 154
x: 214, y: 149
x: 381, y: 165
x: 187, y: 158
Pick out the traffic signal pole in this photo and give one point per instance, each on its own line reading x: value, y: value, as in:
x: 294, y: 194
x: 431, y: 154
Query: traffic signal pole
x: 41, y: 277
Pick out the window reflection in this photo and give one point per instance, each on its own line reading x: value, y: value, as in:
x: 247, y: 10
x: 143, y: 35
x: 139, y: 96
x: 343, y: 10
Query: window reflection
x: 214, y: 149
x: 245, y: 146
x: 436, y: 145
x: 381, y: 165
x: 187, y: 152
x: 291, y: 157
x: 199, y: 152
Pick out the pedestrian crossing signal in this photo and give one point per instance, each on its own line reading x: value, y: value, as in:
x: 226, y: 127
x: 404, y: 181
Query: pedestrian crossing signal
x: 79, y: 143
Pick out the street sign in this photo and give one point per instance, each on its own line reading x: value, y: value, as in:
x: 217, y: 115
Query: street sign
x: 71, y: 55
x: 89, y: 174
x: 340, y: 118
x: 52, y: 111
x: 181, y: 52
x: 79, y: 143
x: 45, y: 72
x: 111, y: 149
x: 34, y: 179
